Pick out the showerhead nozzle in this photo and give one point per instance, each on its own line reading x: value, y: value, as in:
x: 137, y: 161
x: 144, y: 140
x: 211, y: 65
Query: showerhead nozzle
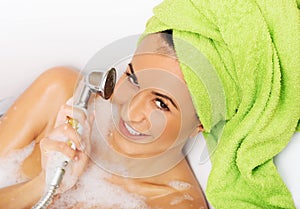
x: 99, y: 82
x: 102, y: 83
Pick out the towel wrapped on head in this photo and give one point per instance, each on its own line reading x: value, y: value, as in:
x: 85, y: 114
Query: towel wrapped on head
x: 241, y: 62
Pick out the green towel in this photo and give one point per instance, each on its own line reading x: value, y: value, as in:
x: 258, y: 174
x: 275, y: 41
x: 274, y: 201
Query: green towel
x: 241, y: 62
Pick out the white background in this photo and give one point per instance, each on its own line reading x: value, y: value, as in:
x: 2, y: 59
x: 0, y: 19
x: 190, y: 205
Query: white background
x: 36, y: 35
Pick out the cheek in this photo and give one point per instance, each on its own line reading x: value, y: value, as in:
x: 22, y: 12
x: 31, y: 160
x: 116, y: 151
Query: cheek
x: 118, y: 91
x: 158, y: 123
x: 164, y: 126
x: 122, y: 92
x: 172, y: 130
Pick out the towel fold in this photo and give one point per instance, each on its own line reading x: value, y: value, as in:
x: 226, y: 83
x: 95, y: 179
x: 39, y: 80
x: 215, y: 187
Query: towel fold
x: 241, y: 62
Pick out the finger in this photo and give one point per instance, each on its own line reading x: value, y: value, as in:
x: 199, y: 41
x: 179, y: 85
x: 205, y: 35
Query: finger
x: 61, y: 116
x: 80, y: 115
x: 80, y: 121
x: 67, y: 133
x: 70, y: 101
x: 48, y: 145
x: 72, y: 112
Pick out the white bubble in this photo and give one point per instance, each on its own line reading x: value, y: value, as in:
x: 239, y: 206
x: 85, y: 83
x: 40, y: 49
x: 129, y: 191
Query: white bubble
x: 92, y: 190
x: 179, y: 199
x: 10, y: 166
x: 179, y: 185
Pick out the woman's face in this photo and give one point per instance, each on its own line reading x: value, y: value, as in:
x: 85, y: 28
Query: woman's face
x: 155, y: 111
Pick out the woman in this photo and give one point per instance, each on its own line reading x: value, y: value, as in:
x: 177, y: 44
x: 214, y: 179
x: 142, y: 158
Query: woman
x: 156, y: 117
x: 240, y: 61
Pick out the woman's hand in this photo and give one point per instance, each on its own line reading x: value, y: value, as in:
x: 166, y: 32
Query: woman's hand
x: 55, y: 148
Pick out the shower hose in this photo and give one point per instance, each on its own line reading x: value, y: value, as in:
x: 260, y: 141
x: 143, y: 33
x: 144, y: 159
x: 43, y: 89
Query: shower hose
x: 48, y: 196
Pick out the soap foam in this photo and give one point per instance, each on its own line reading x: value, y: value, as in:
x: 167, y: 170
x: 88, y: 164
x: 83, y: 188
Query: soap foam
x: 92, y: 190
x: 10, y: 166
x: 102, y: 152
x: 180, y: 185
x: 180, y: 199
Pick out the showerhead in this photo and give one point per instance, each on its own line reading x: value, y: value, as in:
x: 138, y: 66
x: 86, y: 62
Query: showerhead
x: 102, y: 83
x: 99, y: 82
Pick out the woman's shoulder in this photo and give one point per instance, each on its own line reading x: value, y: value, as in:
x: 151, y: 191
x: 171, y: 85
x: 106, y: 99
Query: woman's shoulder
x: 185, y: 191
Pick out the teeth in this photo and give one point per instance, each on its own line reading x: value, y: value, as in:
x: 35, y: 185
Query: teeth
x: 131, y: 130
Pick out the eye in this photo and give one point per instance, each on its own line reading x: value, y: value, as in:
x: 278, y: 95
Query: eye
x: 132, y: 79
x: 161, y: 105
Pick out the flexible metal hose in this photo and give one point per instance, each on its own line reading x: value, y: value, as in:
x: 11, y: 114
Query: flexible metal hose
x: 45, y: 201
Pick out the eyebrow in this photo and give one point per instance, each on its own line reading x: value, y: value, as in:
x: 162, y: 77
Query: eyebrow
x: 166, y: 97
x: 131, y: 68
x: 133, y: 76
x: 153, y: 92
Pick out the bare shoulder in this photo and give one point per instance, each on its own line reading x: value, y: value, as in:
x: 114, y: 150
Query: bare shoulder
x: 36, y: 108
x: 185, y: 191
x: 176, y: 188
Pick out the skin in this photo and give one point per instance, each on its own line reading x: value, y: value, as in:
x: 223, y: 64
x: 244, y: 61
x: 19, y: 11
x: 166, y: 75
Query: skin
x: 136, y: 106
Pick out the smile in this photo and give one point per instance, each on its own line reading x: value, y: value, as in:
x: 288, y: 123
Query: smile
x: 130, y: 132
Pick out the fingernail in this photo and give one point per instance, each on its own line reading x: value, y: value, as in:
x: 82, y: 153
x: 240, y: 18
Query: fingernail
x: 80, y: 129
x: 70, y: 101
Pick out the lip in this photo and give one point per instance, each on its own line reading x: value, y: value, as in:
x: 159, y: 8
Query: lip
x: 126, y: 133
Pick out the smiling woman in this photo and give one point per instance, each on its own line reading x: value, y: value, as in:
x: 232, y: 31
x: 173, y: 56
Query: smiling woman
x: 197, y: 68
x: 152, y: 120
x: 156, y: 105
x: 140, y: 157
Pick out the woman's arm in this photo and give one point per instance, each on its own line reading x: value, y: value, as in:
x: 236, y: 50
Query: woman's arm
x: 36, y: 109
x: 25, y: 195
x: 30, y: 118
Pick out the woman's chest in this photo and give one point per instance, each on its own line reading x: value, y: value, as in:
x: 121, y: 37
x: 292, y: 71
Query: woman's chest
x: 93, y: 190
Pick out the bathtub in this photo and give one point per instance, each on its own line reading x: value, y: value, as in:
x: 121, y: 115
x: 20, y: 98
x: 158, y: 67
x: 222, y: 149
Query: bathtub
x: 37, y: 35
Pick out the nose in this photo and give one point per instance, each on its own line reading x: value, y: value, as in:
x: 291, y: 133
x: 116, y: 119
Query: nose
x: 136, y: 108
x: 137, y: 111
